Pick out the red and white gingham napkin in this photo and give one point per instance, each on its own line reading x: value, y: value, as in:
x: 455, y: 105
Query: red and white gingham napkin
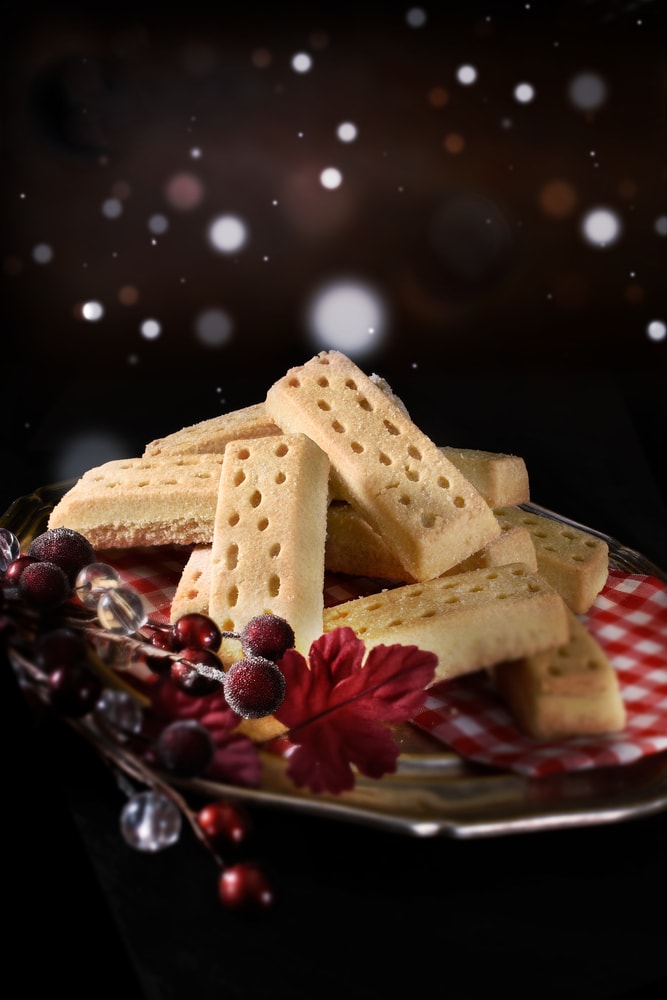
x: 628, y: 618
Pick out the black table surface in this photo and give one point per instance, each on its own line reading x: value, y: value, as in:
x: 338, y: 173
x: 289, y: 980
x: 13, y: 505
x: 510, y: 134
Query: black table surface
x: 361, y: 912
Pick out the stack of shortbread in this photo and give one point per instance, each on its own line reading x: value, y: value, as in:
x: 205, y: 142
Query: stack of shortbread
x: 329, y: 473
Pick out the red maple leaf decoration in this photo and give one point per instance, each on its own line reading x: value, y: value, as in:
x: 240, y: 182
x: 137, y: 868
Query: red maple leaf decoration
x: 337, y: 711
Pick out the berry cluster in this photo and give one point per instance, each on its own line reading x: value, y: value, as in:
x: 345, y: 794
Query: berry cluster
x: 53, y: 637
x: 43, y: 580
x: 44, y: 576
x: 253, y: 686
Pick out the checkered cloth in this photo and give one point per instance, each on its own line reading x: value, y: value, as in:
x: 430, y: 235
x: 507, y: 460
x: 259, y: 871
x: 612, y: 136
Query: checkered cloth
x: 628, y: 618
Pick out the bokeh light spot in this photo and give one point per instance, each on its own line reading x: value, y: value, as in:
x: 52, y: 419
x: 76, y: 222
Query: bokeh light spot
x: 158, y: 224
x: 347, y: 131
x: 454, y: 143
x: 601, y: 227
x: 213, y: 327
x: 661, y: 225
x: 557, y: 199
x: 92, y: 311
x: 466, y: 74
x: 524, y: 93
x: 42, y: 253
x: 150, y: 329
x: 112, y: 208
x: 348, y: 316
x: 228, y: 233
x: 261, y: 58
x: 438, y: 97
x: 416, y: 17
x: 656, y: 330
x: 331, y: 178
x: 302, y: 62
x: 128, y: 295
x: 184, y: 191
x: 587, y: 91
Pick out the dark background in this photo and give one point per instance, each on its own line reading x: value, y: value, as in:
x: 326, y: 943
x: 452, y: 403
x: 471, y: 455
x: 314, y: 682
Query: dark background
x: 502, y: 328
x: 460, y: 208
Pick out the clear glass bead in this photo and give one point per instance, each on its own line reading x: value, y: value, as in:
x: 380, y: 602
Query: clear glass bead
x: 121, y: 611
x: 120, y: 711
x: 10, y: 548
x: 150, y: 822
x: 92, y: 582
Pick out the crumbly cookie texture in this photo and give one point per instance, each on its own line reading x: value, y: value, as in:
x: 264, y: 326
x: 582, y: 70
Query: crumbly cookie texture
x: 471, y: 620
x: 573, y: 561
x: 134, y: 502
x: 571, y: 690
x: 267, y: 553
x: 428, y: 514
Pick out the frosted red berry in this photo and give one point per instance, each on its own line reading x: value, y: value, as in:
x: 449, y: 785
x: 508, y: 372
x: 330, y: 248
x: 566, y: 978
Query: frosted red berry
x: 224, y: 823
x: 66, y: 548
x: 267, y: 635
x: 185, y: 747
x: 44, y: 585
x: 247, y: 887
x: 196, y: 630
x: 254, y: 687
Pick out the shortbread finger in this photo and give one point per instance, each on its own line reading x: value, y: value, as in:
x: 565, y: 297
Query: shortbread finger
x: 143, y: 501
x: 572, y: 690
x: 501, y: 479
x: 429, y: 515
x: 269, y: 536
x: 354, y: 548
x: 574, y: 562
x: 211, y: 436
x: 469, y: 621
